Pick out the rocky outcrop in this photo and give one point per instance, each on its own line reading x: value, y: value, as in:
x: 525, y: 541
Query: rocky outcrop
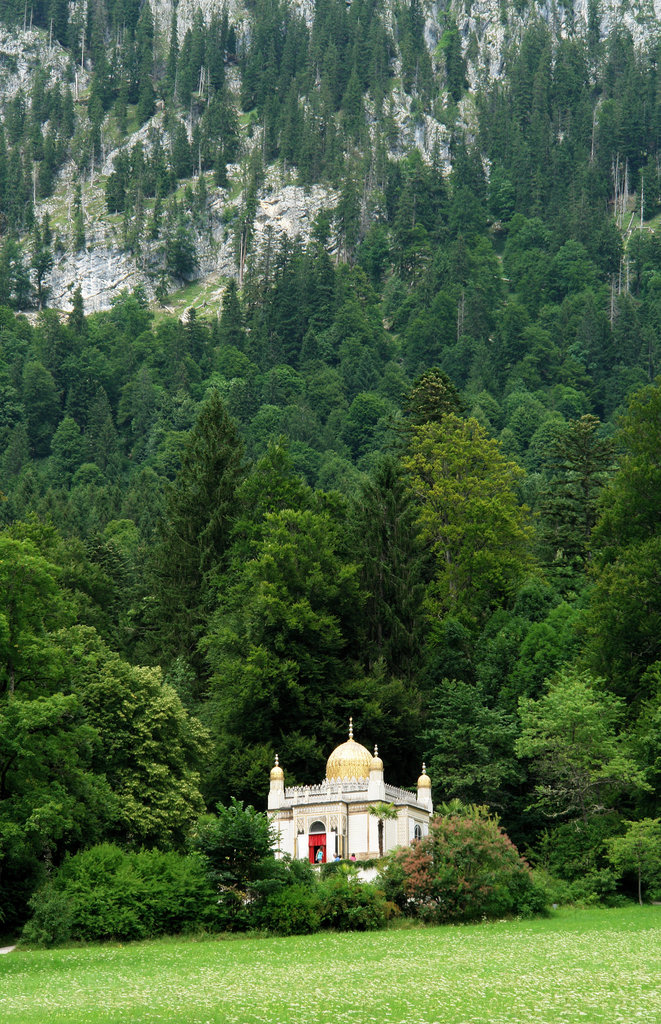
x: 102, y: 270
x: 21, y: 54
x: 494, y: 24
x: 490, y: 28
x: 291, y: 211
x: 101, y: 273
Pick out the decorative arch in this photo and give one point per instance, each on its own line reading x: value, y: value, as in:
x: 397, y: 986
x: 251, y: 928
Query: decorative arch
x: 317, y: 842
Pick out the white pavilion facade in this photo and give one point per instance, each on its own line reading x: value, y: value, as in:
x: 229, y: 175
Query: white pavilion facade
x: 332, y: 820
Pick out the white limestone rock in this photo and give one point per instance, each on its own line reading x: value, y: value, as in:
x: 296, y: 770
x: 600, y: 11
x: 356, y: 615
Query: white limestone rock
x: 102, y: 269
x: 21, y: 53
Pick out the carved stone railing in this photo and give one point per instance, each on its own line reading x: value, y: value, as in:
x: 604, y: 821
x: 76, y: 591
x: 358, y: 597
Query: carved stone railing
x: 344, y: 789
x: 326, y: 790
x: 395, y: 793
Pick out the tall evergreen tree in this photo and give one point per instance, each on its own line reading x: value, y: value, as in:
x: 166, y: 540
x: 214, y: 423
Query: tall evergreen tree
x: 580, y: 462
x: 386, y: 543
x: 196, y: 530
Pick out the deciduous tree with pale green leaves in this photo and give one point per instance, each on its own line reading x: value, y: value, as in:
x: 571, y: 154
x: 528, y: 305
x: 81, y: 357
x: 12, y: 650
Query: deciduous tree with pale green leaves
x: 571, y: 734
x: 638, y: 850
x: 469, y: 515
x: 151, y: 750
x: 31, y: 606
x: 468, y: 742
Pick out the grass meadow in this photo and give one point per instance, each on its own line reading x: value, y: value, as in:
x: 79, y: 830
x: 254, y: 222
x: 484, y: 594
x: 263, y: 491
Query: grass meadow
x: 588, y: 966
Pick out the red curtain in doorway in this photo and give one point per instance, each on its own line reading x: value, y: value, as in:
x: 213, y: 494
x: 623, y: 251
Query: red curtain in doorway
x: 315, y: 843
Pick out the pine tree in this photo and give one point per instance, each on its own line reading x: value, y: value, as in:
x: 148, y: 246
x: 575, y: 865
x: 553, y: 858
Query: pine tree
x: 173, y: 55
x: 78, y: 220
x: 67, y: 451
x: 385, y: 543
x: 77, y: 314
x: 180, y: 253
x: 579, y: 466
x: 181, y: 152
x: 196, y: 530
x: 41, y: 259
x: 230, y: 328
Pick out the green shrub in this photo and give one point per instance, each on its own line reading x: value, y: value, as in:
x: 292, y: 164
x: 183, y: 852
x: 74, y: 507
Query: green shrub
x: 51, y: 921
x: 233, y: 910
x: 350, y: 905
x: 331, y: 868
x: 294, y: 910
x: 556, y: 890
x: 234, y: 841
x: 529, y: 898
x: 105, y: 893
x: 575, y: 849
x: 596, y: 887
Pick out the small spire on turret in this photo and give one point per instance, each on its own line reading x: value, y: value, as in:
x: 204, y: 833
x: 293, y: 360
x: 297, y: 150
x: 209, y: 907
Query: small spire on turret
x: 424, y: 782
x: 377, y: 763
x: 350, y: 728
x: 277, y: 773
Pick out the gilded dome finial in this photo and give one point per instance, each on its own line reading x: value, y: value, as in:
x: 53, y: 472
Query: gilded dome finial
x: 424, y: 782
x: 276, y: 770
x: 376, y: 750
x: 350, y: 728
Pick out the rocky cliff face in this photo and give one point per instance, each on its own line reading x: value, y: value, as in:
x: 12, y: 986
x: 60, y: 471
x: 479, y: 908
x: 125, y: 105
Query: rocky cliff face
x: 488, y: 30
x: 103, y: 269
x: 22, y: 54
x: 494, y: 22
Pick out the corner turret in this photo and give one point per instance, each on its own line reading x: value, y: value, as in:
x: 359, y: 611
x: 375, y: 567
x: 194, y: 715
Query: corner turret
x: 424, y: 790
x: 376, y: 787
x: 277, y: 788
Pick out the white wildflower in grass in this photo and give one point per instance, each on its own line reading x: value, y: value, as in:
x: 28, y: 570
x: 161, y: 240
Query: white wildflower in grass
x: 600, y: 967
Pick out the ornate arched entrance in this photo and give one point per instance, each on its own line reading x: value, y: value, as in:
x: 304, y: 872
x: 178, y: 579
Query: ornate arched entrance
x: 317, y: 843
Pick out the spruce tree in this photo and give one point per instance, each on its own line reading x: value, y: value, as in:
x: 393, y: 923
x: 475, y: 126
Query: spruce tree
x: 385, y: 541
x: 78, y: 221
x: 195, y: 532
x: 230, y: 328
x: 41, y: 260
x: 77, y: 314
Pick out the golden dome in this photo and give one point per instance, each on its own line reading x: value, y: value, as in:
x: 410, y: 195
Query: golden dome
x: 350, y: 760
x: 276, y: 771
x: 424, y: 782
x: 376, y: 764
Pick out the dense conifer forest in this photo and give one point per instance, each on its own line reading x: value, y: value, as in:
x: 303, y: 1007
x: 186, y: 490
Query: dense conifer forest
x: 409, y: 470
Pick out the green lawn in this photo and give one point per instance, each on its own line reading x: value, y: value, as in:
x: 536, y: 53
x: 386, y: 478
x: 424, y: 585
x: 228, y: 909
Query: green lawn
x: 589, y: 966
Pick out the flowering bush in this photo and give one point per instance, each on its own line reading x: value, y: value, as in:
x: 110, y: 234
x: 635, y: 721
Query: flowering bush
x: 465, y: 869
